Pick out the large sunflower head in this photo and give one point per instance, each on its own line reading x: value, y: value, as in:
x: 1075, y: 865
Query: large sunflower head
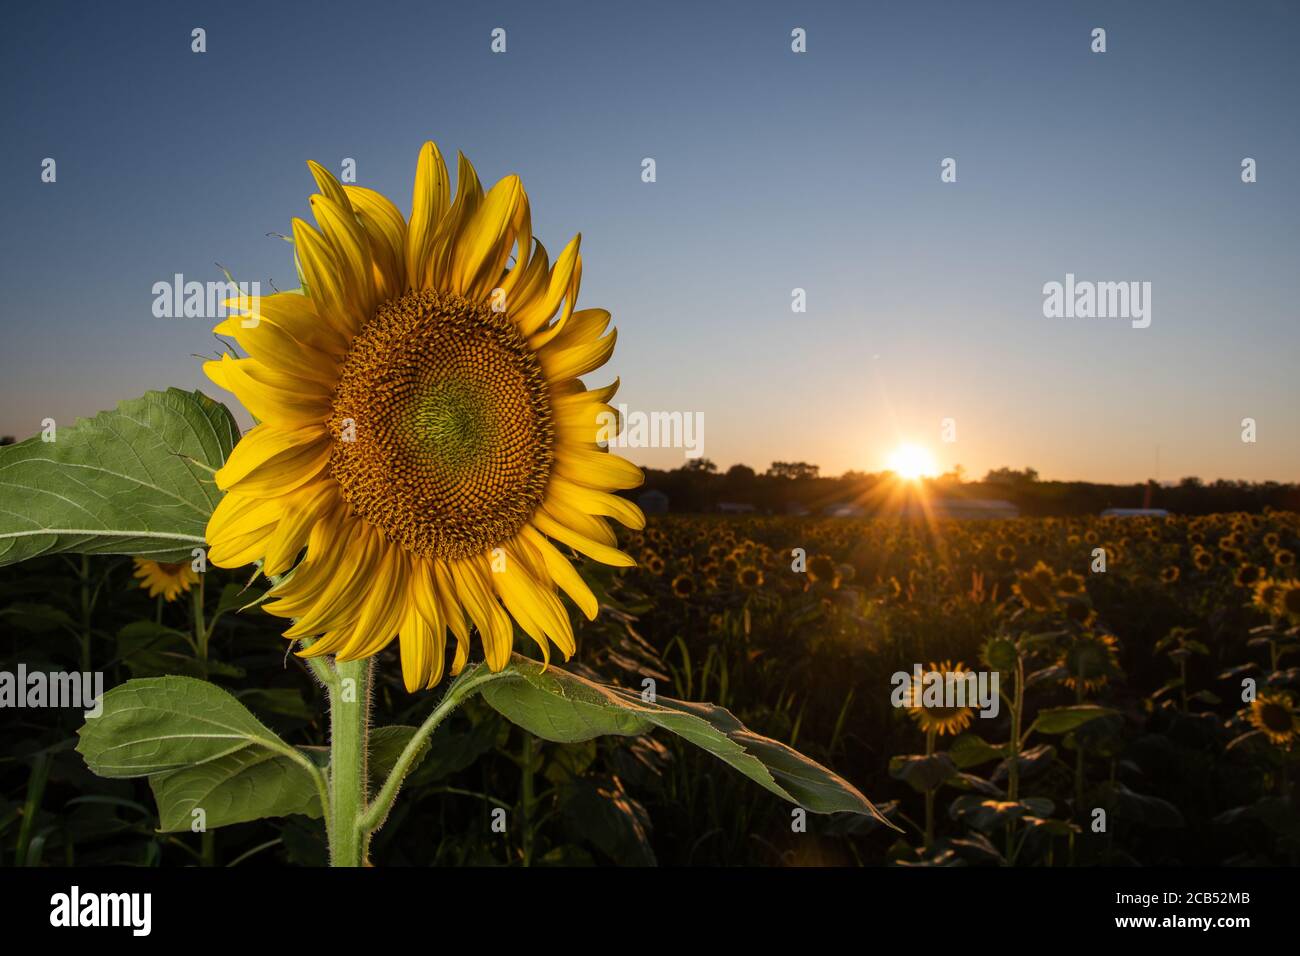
x: 168, y: 579
x: 425, y: 441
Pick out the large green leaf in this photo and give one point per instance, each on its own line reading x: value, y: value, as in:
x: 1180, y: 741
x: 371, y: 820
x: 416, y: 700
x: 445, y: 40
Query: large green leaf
x: 559, y: 706
x: 135, y: 480
x: 160, y: 724
x: 1062, y: 720
x: 249, y: 784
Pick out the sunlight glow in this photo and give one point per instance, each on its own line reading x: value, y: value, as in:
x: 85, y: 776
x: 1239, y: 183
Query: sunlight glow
x: 911, y: 462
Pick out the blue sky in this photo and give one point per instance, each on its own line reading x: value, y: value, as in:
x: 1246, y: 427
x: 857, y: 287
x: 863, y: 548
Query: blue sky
x: 774, y: 171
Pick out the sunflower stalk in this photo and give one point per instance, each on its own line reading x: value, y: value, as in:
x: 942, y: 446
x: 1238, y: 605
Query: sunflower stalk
x: 349, y: 747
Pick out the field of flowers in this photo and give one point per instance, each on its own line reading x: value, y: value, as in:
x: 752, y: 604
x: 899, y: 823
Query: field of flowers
x: 1146, y: 669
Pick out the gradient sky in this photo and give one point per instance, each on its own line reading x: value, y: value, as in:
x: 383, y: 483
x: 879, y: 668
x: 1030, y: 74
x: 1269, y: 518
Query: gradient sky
x: 775, y: 171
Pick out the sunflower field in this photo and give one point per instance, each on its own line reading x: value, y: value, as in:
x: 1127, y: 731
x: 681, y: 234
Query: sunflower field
x: 1147, y: 676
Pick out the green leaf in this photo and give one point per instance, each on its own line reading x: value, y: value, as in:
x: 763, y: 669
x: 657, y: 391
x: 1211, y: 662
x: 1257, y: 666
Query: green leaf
x: 920, y: 772
x: 249, y: 784
x: 160, y: 724
x: 386, y: 745
x: 37, y: 618
x: 136, y: 480
x: 1062, y: 720
x: 563, y: 707
x: 971, y: 750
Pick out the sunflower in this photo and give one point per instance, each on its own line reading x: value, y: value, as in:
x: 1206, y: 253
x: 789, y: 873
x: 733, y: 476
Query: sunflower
x: 683, y: 585
x: 822, y: 568
x: 1271, y: 712
x: 939, y: 719
x: 1248, y: 574
x: 169, y: 580
x: 749, y: 577
x: 1284, y: 558
x: 1070, y: 584
x: 424, y: 434
x: 1268, y: 595
x: 1169, y: 574
x: 1034, y: 587
x: 1090, y: 661
x: 1289, y: 600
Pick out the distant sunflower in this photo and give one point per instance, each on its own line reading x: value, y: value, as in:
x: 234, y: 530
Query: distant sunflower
x: 1247, y: 575
x: 1070, y: 584
x: 1283, y: 558
x: 1035, y: 587
x: 1289, y: 600
x: 942, y: 720
x: 424, y: 431
x: 750, y: 577
x: 1268, y: 595
x: 1272, y: 713
x: 1169, y: 574
x: 822, y: 568
x: 1090, y: 661
x: 683, y: 585
x: 1203, y: 560
x: 171, y: 580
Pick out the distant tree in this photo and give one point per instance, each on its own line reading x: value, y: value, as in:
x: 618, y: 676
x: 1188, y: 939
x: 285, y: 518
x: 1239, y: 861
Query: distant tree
x: 952, y: 477
x: 793, y: 469
x: 740, y: 473
x: 1009, y: 476
x: 700, y: 464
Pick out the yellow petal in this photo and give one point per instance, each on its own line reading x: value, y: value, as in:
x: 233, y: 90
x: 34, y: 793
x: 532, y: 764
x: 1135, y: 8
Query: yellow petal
x: 275, y: 462
x: 592, y: 549
x: 597, y: 469
x: 596, y: 502
x: 351, y: 251
x: 429, y: 204
x: 480, y: 252
x: 323, y: 280
x: 487, y: 614
x: 562, y: 363
x: 562, y: 572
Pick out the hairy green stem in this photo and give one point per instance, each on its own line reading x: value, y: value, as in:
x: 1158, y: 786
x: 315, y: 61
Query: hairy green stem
x: 349, y: 744
x: 464, y: 687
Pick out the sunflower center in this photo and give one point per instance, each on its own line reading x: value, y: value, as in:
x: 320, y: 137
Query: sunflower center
x: 443, y: 436
x: 1275, y: 717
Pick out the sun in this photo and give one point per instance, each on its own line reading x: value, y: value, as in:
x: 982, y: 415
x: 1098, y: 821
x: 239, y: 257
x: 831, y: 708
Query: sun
x: 911, y: 462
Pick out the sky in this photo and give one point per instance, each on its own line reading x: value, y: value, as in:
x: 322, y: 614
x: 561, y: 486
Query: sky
x: 775, y: 171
